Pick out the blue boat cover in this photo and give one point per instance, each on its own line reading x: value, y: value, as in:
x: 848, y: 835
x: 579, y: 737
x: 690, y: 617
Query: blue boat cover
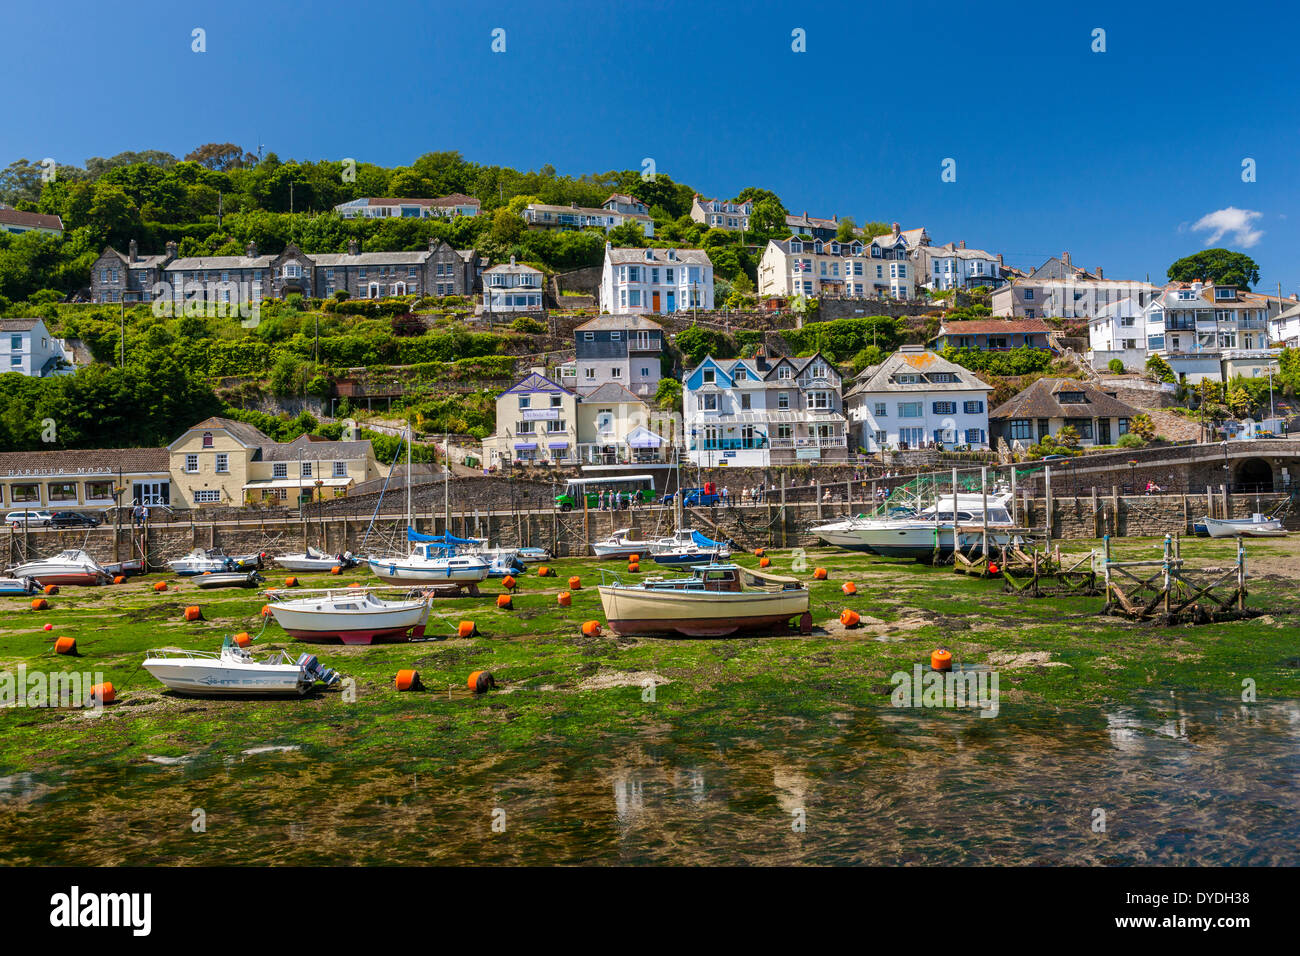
x: 704, y: 542
x: 446, y: 540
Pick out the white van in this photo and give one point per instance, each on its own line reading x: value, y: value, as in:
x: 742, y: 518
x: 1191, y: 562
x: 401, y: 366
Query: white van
x: 33, y: 519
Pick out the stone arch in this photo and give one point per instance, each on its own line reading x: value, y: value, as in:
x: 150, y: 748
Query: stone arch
x: 1254, y: 474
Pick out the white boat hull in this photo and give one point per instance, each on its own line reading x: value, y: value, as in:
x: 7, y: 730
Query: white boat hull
x: 222, y: 677
x: 698, y: 613
x: 921, y: 541
x: 1248, y: 527
x: 356, y: 618
x: 407, y: 571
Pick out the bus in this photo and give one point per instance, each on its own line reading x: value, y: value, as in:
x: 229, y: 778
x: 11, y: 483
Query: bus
x: 640, y: 486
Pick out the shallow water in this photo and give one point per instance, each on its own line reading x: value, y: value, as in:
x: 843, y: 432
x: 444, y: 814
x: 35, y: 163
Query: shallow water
x: 1181, y: 780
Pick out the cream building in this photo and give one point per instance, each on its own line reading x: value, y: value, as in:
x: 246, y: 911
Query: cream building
x: 615, y: 427
x: 537, y: 421
x: 876, y: 268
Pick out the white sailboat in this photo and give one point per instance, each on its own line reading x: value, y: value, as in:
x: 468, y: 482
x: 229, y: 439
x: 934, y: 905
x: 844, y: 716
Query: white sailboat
x: 352, y: 615
x: 620, y: 544
x: 314, y: 560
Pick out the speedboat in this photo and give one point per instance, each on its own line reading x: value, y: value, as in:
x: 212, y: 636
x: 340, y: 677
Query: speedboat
x: 689, y: 547
x: 73, y: 566
x: 229, y: 579
x: 352, y: 615
x: 233, y: 671
x: 716, y: 599
x: 198, y: 561
x: 502, y: 561
x: 532, y: 555
x: 931, y: 530
x: 433, y: 559
x: 13, y: 587
x: 845, y: 532
x: 313, y: 560
x: 1256, y: 526
x: 620, y: 545
x: 245, y: 562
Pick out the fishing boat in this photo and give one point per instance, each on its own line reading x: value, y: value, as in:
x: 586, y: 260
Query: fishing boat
x: 229, y: 579
x: 198, y: 561
x: 716, y: 599
x: 931, y: 530
x: 73, y: 566
x: 13, y: 587
x: 313, y: 560
x: 620, y: 544
x: 1256, y: 526
x: 689, y: 547
x: 351, y: 615
x: 232, y: 671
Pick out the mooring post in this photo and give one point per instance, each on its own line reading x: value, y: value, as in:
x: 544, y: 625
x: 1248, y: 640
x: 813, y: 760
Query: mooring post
x: 1105, y: 567
x: 1015, y: 505
x: 956, y: 537
x: 817, y: 492
x: 1168, y: 559
x: 1097, y: 523
x: 1241, y: 574
x: 1209, y: 502
x: 984, y: 494
x: 1047, y: 491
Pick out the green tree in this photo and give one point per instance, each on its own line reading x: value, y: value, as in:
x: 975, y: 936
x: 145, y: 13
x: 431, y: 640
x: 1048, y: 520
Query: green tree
x: 1159, y: 369
x: 668, y: 395
x: 1220, y: 266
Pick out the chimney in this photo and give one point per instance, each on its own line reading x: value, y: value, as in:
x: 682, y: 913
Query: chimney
x: 171, y: 250
x: 962, y: 244
x: 512, y: 260
x: 433, y: 245
x: 354, y: 247
x: 251, y: 249
x: 1065, y: 257
x: 1100, y: 274
x: 573, y: 205
x: 835, y: 218
x: 999, y: 258
x: 133, y: 251
x: 896, y: 229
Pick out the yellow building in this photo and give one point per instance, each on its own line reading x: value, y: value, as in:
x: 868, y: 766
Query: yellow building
x: 616, y: 427
x: 536, y: 422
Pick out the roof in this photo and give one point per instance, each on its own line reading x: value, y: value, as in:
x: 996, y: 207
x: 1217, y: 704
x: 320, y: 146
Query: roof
x: 240, y: 431
x: 586, y: 209
x: 1040, y: 400
x: 619, y: 322
x: 951, y: 251
x: 633, y: 255
x: 514, y: 268
x: 217, y: 262
x: 994, y: 326
x: 29, y: 220
x: 878, y: 378
x: 611, y: 392
x: 455, y: 199
x: 534, y: 382
x: 18, y: 325
x: 369, y: 258
x: 313, y: 447
x: 133, y: 461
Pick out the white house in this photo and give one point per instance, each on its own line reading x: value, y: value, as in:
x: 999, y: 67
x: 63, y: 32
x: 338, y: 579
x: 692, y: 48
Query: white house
x: 512, y: 287
x: 953, y: 266
x: 721, y: 214
x: 858, y: 268
x: 1284, y: 329
x: 1126, y: 331
x: 656, y: 280
x: 610, y: 216
x: 445, y: 207
x: 1203, y: 323
x: 759, y: 412
x: 915, y: 398
x: 27, y: 347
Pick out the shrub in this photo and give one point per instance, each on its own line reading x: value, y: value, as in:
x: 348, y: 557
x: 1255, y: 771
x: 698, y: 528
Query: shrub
x: 1159, y: 369
x: 1116, y: 366
x: 1130, y: 440
x: 528, y: 326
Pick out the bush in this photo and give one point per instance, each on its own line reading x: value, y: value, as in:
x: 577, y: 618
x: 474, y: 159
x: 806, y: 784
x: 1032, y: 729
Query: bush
x: 1130, y: 440
x: 1116, y: 366
x: 528, y: 326
x: 1159, y: 369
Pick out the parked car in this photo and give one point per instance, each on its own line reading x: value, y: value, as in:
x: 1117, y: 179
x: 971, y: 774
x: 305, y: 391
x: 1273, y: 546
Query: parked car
x: 33, y: 519
x: 73, y: 519
x: 694, y: 498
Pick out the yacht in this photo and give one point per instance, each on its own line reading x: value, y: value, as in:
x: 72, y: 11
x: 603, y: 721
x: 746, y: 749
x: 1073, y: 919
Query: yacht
x: 73, y: 566
x: 930, y: 531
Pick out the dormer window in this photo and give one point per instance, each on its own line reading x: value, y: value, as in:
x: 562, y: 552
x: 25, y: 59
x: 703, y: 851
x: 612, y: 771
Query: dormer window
x: 649, y: 255
x: 817, y: 247
x: 738, y: 375
x: 796, y: 246
x: 835, y: 248
x: 672, y: 254
x: 785, y: 373
x: 1072, y: 398
x: 1226, y: 292
x: 709, y: 376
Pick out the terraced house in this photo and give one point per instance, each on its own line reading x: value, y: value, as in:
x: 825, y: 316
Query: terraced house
x: 858, y: 268
x: 727, y: 215
x: 440, y: 270
x: 655, y: 280
x: 759, y: 412
x: 624, y: 350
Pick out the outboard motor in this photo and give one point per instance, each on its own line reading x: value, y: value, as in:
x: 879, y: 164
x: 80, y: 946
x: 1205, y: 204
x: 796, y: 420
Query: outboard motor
x: 326, y: 675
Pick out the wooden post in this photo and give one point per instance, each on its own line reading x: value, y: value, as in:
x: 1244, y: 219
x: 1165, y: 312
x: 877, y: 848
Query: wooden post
x: 1209, y: 502
x: 586, y: 516
x: 1168, y: 582
x: 784, y: 519
x: 817, y: 492
x: 1227, y: 511
x: 1047, y: 491
x: 1187, y: 524
x: 956, y: 531
x: 1015, y: 505
x: 1096, y: 516
x: 984, y: 493
x: 1114, y: 509
x: 1241, y: 574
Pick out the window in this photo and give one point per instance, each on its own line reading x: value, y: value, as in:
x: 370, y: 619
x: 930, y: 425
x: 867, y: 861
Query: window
x: 63, y: 491
x: 881, y: 409
x: 1021, y: 428
x: 306, y: 469
x: 745, y: 402
x: 945, y: 408
x: 975, y: 436
x: 525, y: 428
x: 785, y: 373
x: 206, y: 496
x: 555, y: 425
x: 708, y: 376
x: 1123, y: 426
x: 1029, y: 295
x: 191, y: 463
x: 911, y: 436
x: 1081, y: 425
x: 98, y: 490
x: 589, y: 373
x: 1071, y: 398
x: 783, y: 400
x: 556, y: 401
x: 340, y: 469
x: 525, y: 401
x: 710, y: 403
x: 910, y: 409
x: 819, y: 400
x: 207, y: 439
x: 25, y: 493
x: 223, y: 464
x: 972, y: 408
x: 615, y: 372
x: 280, y: 470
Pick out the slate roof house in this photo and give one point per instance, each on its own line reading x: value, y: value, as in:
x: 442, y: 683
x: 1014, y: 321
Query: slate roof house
x: 16, y: 221
x: 1049, y: 404
x: 994, y: 335
x: 626, y: 350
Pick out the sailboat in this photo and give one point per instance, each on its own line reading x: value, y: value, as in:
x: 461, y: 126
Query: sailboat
x: 432, y: 559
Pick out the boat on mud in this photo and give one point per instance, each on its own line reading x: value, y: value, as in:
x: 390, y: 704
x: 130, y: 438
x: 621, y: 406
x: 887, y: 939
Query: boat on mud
x: 620, y: 544
x: 715, y: 600
x: 233, y: 671
x: 313, y: 560
x: 229, y: 579
x: 1256, y: 526
x: 73, y: 566
x: 433, y: 559
x: 689, y: 547
x: 350, y: 615
x: 15, y: 587
x: 199, y: 561
x: 930, y: 532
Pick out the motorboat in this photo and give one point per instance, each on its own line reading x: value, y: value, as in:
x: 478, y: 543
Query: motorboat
x: 14, y: 587
x: 930, y: 532
x: 532, y: 555
x: 199, y: 561
x: 229, y: 579
x: 73, y: 566
x: 125, y: 568
x: 502, y: 561
x: 246, y: 562
x: 351, y: 615
x: 716, y: 599
x: 433, y: 559
x: 689, y: 547
x: 314, y: 560
x: 845, y: 532
x: 1256, y: 526
x: 620, y: 544
x: 232, y: 671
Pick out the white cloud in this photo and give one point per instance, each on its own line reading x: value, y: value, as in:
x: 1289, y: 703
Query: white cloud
x: 1234, y: 221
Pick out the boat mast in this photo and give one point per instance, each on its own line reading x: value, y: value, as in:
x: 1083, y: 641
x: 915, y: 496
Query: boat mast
x: 408, y: 474
x: 446, y: 483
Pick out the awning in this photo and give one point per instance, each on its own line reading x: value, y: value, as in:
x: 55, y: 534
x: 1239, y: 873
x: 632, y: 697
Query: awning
x: 525, y: 445
x: 306, y: 484
x: 642, y: 437
x: 557, y: 444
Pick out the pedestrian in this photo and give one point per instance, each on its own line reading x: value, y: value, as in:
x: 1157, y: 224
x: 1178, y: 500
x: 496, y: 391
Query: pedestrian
x: 724, y: 494
x: 144, y: 514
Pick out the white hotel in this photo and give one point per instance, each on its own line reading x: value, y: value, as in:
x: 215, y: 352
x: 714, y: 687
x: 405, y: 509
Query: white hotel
x: 915, y: 397
x: 655, y: 280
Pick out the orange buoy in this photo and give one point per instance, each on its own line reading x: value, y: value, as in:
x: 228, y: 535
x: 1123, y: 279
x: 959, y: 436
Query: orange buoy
x: 193, y: 613
x: 337, y: 569
x: 819, y: 574
x: 355, y: 584
x: 243, y: 639
x: 575, y: 583
x: 206, y: 572
x: 764, y: 562
x: 103, y: 693
x: 466, y: 629
x: 504, y: 601
x: 119, y: 578
x: 160, y: 586
x: 848, y: 587
x: 941, y: 660
x: 509, y: 582
x: 564, y: 599
x: 266, y: 610
x: 634, y: 559
x: 408, y: 680
x: 850, y: 618
x: 65, y: 645
x: 40, y: 604
x: 51, y: 589
x: 993, y: 568
x: 546, y: 571
x: 481, y: 681
x: 634, y: 568
x: 591, y: 628
x: 291, y: 582
x: 48, y: 627
x: 758, y: 552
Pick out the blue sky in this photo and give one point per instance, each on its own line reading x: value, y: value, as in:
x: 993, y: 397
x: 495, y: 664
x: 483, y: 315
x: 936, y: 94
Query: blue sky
x: 1114, y: 156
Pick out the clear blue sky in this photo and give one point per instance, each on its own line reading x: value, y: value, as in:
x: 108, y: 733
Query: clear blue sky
x: 1113, y: 156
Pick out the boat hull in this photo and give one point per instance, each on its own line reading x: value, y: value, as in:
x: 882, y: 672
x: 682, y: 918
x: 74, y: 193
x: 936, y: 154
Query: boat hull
x: 1219, y: 528
x: 225, y: 679
x: 699, y: 613
x: 400, y: 572
x: 237, y: 579
x: 59, y: 575
x: 921, y: 544
x: 309, y: 623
